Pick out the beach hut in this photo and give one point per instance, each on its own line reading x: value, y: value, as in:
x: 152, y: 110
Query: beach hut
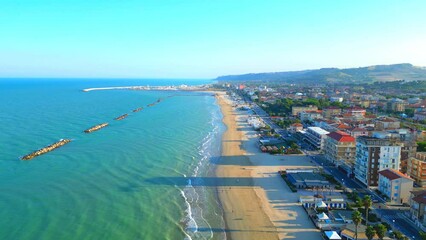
x: 332, y: 235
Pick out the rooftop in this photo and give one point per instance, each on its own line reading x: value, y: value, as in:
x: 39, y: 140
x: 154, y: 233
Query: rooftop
x: 318, y: 130
x: 341, y: 136
x: 393, y: 174
x: 420, y: 198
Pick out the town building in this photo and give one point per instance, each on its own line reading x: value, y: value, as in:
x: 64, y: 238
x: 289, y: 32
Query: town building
x: 315, y: 136
x: 310, y: 115
x: 330, y: 112
x: 416, y: 168
x: 308, y: 180
x: 418, y: 208
x: 395, y: 185
x: 339, y: 148
x: 327, y: 125
x: 419, y: 116
x: 296, y: 110
x: 396, y: 105
x: 296, y: 127
x: 336, y: 99
x: 355, y: 112
x: 374, y: 154
x: 387, y: 123
x: 356, y: 132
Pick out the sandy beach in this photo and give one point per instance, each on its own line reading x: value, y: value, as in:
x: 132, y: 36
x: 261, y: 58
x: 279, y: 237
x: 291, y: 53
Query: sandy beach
x: 257, y: 203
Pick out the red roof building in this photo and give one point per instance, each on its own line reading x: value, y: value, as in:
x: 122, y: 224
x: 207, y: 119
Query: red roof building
x: 339, y: 148
x: 340, y: 136
x: 395, y: 185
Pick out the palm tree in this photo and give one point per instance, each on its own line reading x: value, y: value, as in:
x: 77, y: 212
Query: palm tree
x: 367, y: 204
x: 381, y: 230
x: 356, y: 218
x: 370, y: 232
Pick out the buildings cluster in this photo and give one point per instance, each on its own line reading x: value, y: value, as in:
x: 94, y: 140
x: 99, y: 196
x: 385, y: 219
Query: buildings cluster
x: 376, y: 152
x: 347, y: 95
x: 366, y: 135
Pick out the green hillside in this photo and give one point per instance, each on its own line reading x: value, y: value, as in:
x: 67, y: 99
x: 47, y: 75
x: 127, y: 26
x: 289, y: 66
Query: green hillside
x: 380, y: 73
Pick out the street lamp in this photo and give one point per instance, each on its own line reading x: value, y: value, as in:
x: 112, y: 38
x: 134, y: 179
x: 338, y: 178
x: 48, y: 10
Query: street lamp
x: 393, y: 223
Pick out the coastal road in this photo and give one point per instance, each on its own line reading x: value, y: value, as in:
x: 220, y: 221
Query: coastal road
x: 399, y: 222
x: 345, y: 180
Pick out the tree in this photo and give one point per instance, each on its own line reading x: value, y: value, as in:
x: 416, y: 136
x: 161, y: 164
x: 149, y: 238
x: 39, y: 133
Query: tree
x: 356, y: 218
x: 421, y: 146
x: 367, y: 202
x: 370, y: 232
x: 380, y: 230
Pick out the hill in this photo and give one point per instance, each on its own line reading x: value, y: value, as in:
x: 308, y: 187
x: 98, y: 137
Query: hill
x: 381, y: 73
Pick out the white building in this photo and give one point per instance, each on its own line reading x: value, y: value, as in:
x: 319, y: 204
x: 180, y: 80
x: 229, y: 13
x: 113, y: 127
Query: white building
x: 316, y: 136
x: 395, y: 185
x: 336, y: 99
x: 373, y: 155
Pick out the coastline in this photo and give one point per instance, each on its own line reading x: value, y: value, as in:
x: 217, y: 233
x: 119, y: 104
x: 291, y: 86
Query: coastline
x: 244, y: 216
x: 257, y: 204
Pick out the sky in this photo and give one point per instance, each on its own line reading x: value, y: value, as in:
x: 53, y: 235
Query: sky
x: 205, y: 38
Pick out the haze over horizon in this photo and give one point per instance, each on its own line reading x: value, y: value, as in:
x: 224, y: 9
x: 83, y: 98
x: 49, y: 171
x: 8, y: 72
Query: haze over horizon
x: 205, y: 39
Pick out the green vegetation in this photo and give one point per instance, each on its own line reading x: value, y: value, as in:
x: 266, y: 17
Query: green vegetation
x: 355, y: 198
x: 356, y: 218
x: 421, y: 146
x: 423, y: 235
x: 370, y: 232
x: 367, y: 202
x: 382, y: 73
x: 398, y: 235
x: 283, y: 106
x: 380, y: 230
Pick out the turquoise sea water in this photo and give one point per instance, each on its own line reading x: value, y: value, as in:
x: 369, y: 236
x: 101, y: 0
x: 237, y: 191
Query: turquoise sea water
x: 130, y: 180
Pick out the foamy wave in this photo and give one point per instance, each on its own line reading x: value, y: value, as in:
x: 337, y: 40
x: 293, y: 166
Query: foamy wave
x: 196, y: 198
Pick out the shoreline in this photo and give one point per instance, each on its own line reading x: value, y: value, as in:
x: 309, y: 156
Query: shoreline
x: 242, y: 208
x: 256, y: 202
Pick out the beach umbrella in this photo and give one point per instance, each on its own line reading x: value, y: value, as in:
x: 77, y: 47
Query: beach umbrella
x: 332, y: 235
x: 322, y: 216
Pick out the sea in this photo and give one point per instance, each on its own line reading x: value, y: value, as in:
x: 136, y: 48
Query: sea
x: 138, y: 178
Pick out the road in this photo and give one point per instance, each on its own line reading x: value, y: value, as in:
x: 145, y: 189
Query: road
x: 395, y: 218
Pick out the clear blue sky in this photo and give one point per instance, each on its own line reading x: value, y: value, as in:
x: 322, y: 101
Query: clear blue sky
x: 204, y: 38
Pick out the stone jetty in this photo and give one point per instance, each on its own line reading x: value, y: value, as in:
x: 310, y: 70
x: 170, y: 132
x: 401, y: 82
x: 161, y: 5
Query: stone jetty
x: 95, y: 128
x: 121, y: 117
x: 46, y: 149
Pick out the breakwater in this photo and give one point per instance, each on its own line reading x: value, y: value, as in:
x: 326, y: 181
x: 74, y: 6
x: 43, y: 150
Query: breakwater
x: 121, y: 117
x: 96, y: 127
x: 89, y: 130
x: 46, y: 149
x: 138, y: 109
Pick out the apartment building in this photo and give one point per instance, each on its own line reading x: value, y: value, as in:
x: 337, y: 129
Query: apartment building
x: 315, y: 136
x: 418, y: 209
x: 416, y: 168
x: 395, y: 185
x: 374, y: 154
x: 339, y: 148
x: 296, y: 110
